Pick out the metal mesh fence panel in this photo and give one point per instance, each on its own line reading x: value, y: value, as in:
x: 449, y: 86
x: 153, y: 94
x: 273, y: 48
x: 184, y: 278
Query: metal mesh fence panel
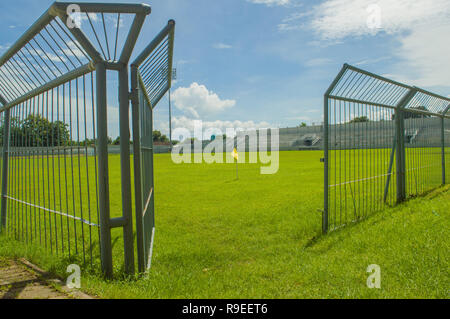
x: 360, y: 158
x: 52, y: 193
x: 54, y: 92
x: 447, y: 149
x: 151, y: 74
x: 383, y: 143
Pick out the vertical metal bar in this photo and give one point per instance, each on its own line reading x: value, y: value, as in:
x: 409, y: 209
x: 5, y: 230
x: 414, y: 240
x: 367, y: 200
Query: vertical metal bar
x: 170, y: 120
x: 149, y: 214
x: 325, y: 216
x: 326, y: 156
x: 443, y: 148
x: 103, y: 181
x: 124, y: 123
x: 137, y: 167
x: 170, y: 51
x: 72, y: 183
x: 391, y: 165
x: 400, y: 141
x: 6, y: 137
x: 401, y: 154
x: 79, y: 168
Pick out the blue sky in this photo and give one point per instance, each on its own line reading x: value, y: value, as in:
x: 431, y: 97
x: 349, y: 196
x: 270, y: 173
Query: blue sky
x: 260, y: 63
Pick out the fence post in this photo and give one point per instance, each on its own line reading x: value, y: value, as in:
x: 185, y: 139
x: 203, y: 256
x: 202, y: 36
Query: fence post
x: 124, y: 123
x: 103, y: 179
x: 443, y: 148
x: 401, y: 153
x: 6, y: 135
x: 135, y: 107
x: 326, y: 161
x: 325, y: 217
x: 400, y: 163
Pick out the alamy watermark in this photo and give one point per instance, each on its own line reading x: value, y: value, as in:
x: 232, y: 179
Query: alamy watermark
x: 254, y: 146
x: 374, y: 280
x: 73, y: 16
x: 74, y: 279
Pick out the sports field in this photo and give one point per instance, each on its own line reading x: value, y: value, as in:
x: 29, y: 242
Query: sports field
x: 260, y: 237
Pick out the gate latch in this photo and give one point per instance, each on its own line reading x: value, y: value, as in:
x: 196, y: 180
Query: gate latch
x: 322, y: 160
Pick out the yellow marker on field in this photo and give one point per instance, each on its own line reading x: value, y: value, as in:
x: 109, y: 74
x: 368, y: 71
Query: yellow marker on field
x: 235, y: 155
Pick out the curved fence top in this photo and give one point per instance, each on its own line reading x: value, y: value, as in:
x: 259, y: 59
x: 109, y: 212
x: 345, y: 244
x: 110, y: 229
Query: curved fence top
x: 359, y: 86
x: 154, y: 65
x: 66, y: 42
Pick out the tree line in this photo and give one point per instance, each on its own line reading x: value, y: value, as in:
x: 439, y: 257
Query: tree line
x: 37, y: 131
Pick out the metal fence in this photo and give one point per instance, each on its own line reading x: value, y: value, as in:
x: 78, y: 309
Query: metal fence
x: 151, y: 74
x: 384, y: 141
x: 55, y: 88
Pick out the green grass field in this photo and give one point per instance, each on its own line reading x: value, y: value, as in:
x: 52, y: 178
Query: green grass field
x: 260, y: 237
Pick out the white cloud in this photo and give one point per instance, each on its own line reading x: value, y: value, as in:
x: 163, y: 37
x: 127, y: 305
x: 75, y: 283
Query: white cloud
x: 424, y: 55
x: 337, y: 19
x: 271, y: 2
x: 73, y: 51
x: 114, y: 21
x: 4, y: 47
x: 318, y: 62
x: 210, y: 127
x: 420, y: 27
x: 183, y: 62
x: 371, y: 61
x: 197, y: 101
x: 222, y: 46
x: 299, y: 118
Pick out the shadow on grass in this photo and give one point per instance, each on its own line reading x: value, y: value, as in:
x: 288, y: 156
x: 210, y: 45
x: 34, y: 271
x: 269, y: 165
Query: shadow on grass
x: 371, y: 220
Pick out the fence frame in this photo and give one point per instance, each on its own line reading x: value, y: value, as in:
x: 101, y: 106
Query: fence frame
x: 141, y: 99
x: 398, y: 149
x: 100, y: 65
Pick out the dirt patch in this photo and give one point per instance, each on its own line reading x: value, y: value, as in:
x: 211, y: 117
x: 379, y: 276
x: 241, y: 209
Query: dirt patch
x: 22, y: 280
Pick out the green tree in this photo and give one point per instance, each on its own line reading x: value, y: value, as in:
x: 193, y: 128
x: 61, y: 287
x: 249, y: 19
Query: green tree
x: 361, y: 119
x: 37, y: 131
x: 158, y: 137
x: 116, y: 141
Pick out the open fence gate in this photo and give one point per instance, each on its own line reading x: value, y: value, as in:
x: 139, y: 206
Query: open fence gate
x: 384, y: 141
x: 55, y: 91
x: 151, y: 78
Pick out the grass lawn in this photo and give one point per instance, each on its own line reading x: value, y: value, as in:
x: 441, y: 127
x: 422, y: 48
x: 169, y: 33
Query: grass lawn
x: 259, y: 237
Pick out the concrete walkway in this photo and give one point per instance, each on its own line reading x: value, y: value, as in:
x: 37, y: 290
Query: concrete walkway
x: 22, y: 280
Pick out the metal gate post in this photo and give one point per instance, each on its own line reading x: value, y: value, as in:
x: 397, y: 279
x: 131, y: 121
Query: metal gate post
x: 137, y: 167
x: 325, y: 217
x: 401, y: 152
x: 443, y: 148
x: 326, y: 161
x: 6, y: 136
x: 124, y: 123
x: 149, y: 208
x: 400, y: 162
x: 103, y: 179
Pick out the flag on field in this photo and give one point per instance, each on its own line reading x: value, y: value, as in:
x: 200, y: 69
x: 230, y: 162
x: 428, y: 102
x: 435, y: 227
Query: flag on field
x: 236, y: 157
x: 235, y: 154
